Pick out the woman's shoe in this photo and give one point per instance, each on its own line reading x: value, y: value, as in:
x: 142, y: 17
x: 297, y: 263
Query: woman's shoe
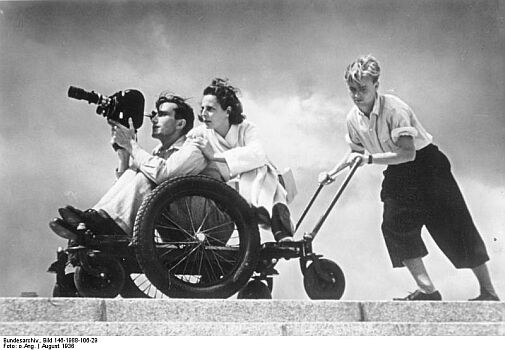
x: 281, y: 223
x: 286, y: 239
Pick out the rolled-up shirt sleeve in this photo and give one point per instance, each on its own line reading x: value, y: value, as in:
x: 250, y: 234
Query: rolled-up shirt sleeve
x: 188, y: 160
x: 401, y: 124
x: 248, y: 157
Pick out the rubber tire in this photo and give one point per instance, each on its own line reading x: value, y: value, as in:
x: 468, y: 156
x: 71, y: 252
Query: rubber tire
x: 255, y: 289
x: 241, y: 213
x: 317, y: 288
x: 95, y: 287
x: 66, y: 287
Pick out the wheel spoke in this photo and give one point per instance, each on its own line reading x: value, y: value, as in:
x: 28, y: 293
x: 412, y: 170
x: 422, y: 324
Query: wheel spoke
x: 186, y: 264
x: 217, y: 262
x: 215, y: 239
x: 165, y: 253
x: 222, y: 258
x: 211, y: 268
x: 158, y: 226
x: 191, y: 252
x: 173, y: 244
x: 164, y: 215
x: 203, y: 221
x: 217, y: 226
x: 200, y: 266
x: 190, y: 214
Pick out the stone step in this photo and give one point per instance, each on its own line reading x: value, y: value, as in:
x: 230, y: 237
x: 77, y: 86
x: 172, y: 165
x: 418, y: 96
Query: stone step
x: 218, y: 310
x: 188, y: 317
x: 252, y: 328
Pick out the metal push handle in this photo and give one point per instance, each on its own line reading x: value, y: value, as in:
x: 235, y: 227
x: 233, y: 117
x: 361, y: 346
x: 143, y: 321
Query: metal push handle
x: 308, y: 206
x: 313, y: 199
x: 355, y: 164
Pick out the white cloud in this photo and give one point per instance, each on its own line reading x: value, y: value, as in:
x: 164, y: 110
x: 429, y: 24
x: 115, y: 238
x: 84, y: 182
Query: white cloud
x: 300, y: 133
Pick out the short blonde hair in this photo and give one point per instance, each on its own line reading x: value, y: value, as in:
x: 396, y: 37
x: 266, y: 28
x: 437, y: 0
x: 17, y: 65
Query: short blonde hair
x: 364, y: 66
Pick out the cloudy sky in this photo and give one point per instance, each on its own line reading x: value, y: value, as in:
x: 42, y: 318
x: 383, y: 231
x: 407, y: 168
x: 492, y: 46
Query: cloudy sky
x: 444, y: 58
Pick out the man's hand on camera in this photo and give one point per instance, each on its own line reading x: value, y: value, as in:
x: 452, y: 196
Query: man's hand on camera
x: 123, y: 155
x: 121, y: 135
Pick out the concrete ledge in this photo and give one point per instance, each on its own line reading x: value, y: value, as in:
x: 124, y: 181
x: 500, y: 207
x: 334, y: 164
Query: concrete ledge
x: 198, y: 310
x: 237, y: 311
x: 250, y: 329
x: 51, y: 309
x: 434, y: 311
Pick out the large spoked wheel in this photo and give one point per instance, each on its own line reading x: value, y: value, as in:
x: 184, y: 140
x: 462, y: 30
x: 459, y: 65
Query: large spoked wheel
x: 327, y: 283
x: 255, y: 289
x: 107, y: 282
x: 195, y: 237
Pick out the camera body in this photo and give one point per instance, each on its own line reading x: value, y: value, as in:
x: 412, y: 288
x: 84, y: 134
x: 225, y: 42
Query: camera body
x: 121, y: 106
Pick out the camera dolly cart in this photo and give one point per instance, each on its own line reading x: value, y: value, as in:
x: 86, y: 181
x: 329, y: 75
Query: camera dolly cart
x: 194, y: 237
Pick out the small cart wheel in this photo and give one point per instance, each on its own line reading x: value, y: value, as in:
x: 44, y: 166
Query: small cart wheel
x: 107, y: 284
x: 327, y: 282
x: 255, y: 289
x: 65, y: 287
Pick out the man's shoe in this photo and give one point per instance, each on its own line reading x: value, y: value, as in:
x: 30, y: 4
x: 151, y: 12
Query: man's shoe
x: 418, y: 295
x: 70, y: 216
x: 74, y: 210
x: 63, y: 229
x: 95, y: 222
x: 485, y: 296
x: 111, y: 225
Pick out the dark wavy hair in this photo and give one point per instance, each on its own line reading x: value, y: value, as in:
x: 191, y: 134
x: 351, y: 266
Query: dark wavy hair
x: 182, y: 111
x: 226, y: 96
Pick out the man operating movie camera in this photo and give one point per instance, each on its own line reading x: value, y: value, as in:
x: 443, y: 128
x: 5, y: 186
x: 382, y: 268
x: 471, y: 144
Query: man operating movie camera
x: 138, y: 171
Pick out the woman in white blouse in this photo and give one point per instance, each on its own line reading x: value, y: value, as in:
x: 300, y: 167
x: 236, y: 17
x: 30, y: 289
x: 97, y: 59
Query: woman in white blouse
x: 231, y: 144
